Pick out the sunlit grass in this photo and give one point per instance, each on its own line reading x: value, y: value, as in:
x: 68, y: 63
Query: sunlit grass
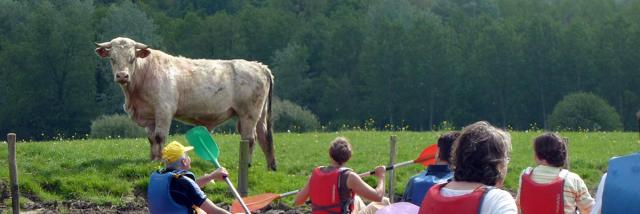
x: 106, y: 171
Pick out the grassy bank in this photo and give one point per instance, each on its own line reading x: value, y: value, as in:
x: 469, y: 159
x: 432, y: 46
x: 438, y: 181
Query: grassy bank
x: 115, y: 171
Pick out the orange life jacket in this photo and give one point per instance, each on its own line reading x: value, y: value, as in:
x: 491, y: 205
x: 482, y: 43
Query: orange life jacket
x: 542, y: 198
x: 329, y: 192
x: 434, y: 202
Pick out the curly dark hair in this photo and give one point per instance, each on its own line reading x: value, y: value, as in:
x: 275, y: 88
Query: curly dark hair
x: 340, y: 150
x: 481, y: 154
x: 445, y: 141
x: 551, y: 148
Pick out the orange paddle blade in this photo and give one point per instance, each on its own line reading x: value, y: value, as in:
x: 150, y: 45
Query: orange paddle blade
x: 428, y: 155
x: 254, y: 203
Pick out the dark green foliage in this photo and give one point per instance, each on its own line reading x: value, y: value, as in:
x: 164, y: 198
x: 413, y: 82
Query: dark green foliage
x: 400, y: 63
x: 288, y: 116
x: 584, y: 111
x: 116, y: 126
x: 46, y: 65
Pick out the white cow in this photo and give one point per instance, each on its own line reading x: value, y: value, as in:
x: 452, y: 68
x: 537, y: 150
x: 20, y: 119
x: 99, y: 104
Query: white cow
x: 158, y: 87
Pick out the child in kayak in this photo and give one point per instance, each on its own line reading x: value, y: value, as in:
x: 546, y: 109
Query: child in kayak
x: 333, y: 189
x: 548, y: 188
x: 437, y: 173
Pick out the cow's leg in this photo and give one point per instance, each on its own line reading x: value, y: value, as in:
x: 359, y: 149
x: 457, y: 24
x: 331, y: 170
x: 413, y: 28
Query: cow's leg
x: 248, y: 131
x: 251, y: 142
x: 150, y: 131
x: 160, y: 135
x: 266, y: 143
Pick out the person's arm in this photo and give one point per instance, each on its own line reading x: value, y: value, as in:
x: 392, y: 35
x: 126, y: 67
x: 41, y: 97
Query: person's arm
x: 355, y: 183
x: 209, y: 207
x: 584, y: 201
x: 218, y: 175
x: 302, y: 195
x: 190, y: 195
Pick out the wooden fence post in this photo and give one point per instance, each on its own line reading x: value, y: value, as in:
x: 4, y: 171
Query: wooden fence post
x: 243, y: 171
x: 13, y: 173
x: 392, y: 160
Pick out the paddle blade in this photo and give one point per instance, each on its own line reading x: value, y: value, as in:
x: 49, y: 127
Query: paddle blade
x: 254, y: 203
x: 428, y: 155
x: 203, y: 143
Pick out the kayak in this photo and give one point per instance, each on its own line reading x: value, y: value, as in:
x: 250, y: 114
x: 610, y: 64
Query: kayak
x: 621, y: 188
x: 399, y: 208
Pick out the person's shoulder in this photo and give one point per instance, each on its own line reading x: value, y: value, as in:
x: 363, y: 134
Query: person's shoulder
x: 419, y: 175
x: 500, y: 201
x: 526, y: 170
x: 573, y: 176
x: 350, y: 172
x: 185, y: 181
x: 499, y: 194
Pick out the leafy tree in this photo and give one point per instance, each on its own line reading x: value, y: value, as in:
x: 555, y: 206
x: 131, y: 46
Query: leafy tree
x: 116, y: 126
x: 430, y: 64
x: 290, y: 65
x: 52, y: 94
x: 288, y: 116
x: 541, y: 53
x: 579, y: 111
x: 266, y: 30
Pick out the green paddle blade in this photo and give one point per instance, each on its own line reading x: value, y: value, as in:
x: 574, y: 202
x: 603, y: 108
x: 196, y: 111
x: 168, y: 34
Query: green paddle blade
x: 203, y: 144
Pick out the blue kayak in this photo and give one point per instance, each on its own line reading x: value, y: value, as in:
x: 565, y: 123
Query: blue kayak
x: 622, y: 185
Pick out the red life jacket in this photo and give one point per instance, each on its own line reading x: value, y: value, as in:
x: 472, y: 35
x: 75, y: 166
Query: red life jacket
x: 542, y: 198
x: 329, y: 192
x: 435, y: 203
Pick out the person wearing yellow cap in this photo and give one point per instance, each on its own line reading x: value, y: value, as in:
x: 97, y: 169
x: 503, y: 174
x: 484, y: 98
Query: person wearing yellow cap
x: 174, y: 189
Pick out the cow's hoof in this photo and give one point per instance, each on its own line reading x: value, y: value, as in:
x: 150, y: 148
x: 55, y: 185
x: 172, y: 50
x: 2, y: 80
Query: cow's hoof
x: 273, y: 167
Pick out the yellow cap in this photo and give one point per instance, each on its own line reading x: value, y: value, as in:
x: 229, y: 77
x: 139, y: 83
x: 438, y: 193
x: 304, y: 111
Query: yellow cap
x: 174, y: 151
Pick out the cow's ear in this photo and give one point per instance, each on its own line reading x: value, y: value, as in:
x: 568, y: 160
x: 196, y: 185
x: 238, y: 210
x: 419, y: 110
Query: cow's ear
x: 142, y: 53
x: 102, y: 52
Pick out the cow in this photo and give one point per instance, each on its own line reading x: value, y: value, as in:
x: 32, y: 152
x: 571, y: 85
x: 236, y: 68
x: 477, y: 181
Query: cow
x: 159, y: 87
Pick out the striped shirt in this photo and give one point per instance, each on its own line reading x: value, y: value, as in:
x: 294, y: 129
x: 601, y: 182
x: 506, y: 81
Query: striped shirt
x: 576, y: 195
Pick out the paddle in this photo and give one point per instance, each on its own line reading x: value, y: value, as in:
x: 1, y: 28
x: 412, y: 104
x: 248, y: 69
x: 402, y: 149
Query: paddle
x: 256, y: 202
x: 207, y: 149
x: 426, y: 157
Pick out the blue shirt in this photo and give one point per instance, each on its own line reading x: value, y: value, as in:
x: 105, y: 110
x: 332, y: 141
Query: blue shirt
x: 419, y: 184
x: 186, y: 192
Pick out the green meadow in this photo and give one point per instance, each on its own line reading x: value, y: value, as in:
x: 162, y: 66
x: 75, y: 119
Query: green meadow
x: 115, y: 171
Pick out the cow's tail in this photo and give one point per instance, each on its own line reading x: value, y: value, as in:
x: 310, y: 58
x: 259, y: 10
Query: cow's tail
x: 269, y: 98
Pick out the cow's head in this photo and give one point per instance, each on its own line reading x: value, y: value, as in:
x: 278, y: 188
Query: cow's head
x: 123, y: 53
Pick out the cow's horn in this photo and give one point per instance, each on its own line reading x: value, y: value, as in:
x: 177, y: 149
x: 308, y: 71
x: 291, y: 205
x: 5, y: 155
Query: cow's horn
x: 103, y: 45
x: 141, y: 46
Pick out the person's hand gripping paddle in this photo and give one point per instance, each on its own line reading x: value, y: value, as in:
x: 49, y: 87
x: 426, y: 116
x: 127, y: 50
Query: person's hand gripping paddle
x: 256, y: 202
x: 207, y: 149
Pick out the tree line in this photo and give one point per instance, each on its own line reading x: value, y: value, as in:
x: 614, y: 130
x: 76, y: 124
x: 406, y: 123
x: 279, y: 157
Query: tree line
x: 387, y: 63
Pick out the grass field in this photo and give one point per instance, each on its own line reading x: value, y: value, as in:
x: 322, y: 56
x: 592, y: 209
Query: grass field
x: 115, y: 171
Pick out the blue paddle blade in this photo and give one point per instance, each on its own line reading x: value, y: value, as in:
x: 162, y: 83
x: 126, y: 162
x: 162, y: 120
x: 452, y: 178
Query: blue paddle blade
x: 203, y: 144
